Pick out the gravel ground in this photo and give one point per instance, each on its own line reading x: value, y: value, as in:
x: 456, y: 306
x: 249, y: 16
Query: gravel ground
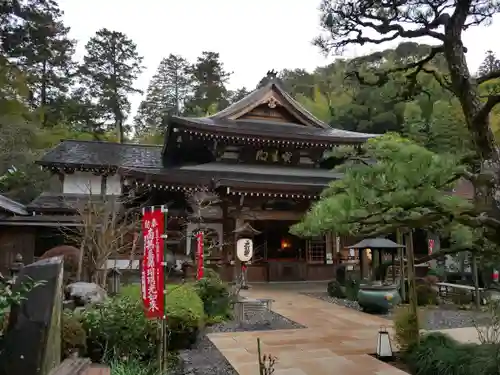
x: 434, y: 317
x: 206, y: 359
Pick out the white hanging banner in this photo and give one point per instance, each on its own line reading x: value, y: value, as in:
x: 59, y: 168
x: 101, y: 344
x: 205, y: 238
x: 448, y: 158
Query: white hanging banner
x: 244, y: 249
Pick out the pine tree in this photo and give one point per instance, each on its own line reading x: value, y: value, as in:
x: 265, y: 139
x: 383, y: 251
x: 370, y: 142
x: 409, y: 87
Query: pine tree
x: 165, y: 96
x: 237, y: 95
x: 36, y: 39
x: 489, y: 64
x: 111, y: 65
x: 209, y: 84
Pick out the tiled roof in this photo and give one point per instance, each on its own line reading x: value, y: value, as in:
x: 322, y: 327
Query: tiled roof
x: 11, y: 206
x: 238, y: 175
x: 108, y: 154
x: 265, y: 128
x: 49, y: 202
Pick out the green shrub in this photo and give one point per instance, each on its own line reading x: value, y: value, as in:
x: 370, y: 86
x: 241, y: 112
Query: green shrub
x: 405, y: 328
x: 215, y: 295
x: 74, y: 337
x: 426, y: 295
x: 131, y: 366
x: 185, y: 316
x: 335, y: 289
x: 437, y: 272
x: 119, y: 328
x: 437, y: 353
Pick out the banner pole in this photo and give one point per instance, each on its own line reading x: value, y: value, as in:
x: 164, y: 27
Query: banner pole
x: 164, y: 210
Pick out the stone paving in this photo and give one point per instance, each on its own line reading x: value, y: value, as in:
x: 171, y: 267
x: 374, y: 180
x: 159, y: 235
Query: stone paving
x: 337, y: 340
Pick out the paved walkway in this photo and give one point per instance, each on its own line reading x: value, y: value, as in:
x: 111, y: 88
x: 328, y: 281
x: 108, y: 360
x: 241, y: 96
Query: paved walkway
x: 337, y: 340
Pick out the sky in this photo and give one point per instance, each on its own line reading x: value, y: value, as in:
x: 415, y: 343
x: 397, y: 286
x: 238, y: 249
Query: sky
x: 252, y: 37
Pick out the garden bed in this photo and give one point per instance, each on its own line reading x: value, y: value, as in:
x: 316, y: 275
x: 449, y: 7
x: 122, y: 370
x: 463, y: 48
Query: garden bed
x: 435, y: 317
x: 205, y: 358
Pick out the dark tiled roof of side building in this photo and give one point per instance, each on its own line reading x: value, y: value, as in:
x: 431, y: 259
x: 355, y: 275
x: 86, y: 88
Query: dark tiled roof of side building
x: 98, y: 154
x: 11, y: 206
x: 65, y: 202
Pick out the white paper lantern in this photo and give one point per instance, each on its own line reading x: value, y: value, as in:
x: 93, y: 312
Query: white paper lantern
x: 244, y: 249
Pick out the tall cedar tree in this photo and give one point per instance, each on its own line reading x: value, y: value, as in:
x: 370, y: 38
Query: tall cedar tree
x: 490, y: 64
x: 209, y: 85
x: 347, y: 23
x: 36, y: 40
x: 110, y: 67
x: 166, y: 94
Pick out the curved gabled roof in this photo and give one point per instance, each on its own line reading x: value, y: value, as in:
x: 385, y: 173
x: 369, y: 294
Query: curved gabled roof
x: 283, y: 118
x: 260, y: 96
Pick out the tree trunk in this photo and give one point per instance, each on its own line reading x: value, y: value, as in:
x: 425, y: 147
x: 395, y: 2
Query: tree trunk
x: 43, y: 92
x: 487, y: 186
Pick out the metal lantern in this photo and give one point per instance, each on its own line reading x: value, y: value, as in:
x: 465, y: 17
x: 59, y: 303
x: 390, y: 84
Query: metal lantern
x: 114, y: 282
x: 384, y: 347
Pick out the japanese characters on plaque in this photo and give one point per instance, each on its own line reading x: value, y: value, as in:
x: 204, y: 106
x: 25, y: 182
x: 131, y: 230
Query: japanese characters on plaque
x: 270, y: 156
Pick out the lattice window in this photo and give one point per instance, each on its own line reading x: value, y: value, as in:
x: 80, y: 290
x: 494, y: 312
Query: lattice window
x: 316, y: 250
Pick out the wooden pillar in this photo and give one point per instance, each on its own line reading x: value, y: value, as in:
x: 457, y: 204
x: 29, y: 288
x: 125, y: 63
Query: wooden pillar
x: 361, y: 264
x: 238, y: 223
x: 226, y: 238
x: 330, y: 252
x: 477, y: 297
x: 401, y: 256
x: 412, y: 288
x: 337, y: 248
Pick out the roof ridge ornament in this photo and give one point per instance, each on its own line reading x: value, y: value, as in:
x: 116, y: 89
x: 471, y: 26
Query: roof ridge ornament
x: 272, y: 74
x: 272, y: 102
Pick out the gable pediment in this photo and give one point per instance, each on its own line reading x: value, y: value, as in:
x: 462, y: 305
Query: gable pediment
x: 270, y: 109
x: 270, y: 103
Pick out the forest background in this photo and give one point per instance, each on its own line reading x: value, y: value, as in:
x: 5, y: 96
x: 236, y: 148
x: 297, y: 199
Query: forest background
x: 47, y: 95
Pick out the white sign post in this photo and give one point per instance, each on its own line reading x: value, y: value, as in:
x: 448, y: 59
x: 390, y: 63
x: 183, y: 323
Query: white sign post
x: 244, y: 252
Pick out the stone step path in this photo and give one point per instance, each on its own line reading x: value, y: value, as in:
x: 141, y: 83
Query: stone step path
x: 337, y: 340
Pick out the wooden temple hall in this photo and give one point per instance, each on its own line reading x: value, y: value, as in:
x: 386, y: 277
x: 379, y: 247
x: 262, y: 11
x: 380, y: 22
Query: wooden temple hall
x: 259, y: 162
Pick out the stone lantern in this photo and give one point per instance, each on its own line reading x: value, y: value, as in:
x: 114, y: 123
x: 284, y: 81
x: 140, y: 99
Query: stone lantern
x: 114, y: 281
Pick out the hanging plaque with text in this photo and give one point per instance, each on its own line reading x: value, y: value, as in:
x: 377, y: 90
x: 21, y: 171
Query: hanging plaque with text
x: 270, y: 155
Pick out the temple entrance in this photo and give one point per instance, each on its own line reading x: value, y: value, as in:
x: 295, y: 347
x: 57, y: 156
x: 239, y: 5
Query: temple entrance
x: 283, y: 253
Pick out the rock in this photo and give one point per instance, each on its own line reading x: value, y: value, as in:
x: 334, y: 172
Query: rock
x: 86, y: 293
x: 32, y: 341
x: 69, y: 305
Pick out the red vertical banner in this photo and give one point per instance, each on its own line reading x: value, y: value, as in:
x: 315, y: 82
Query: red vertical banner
x: 152, y: 278
x: 431, y: 246
x: 146, y: 222
x: 199, y: 255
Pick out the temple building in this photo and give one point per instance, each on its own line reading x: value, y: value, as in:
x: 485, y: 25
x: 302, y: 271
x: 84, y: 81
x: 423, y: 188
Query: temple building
x: 259, y: 161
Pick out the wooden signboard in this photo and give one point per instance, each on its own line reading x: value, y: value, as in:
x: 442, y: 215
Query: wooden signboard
x: 270, y: 155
